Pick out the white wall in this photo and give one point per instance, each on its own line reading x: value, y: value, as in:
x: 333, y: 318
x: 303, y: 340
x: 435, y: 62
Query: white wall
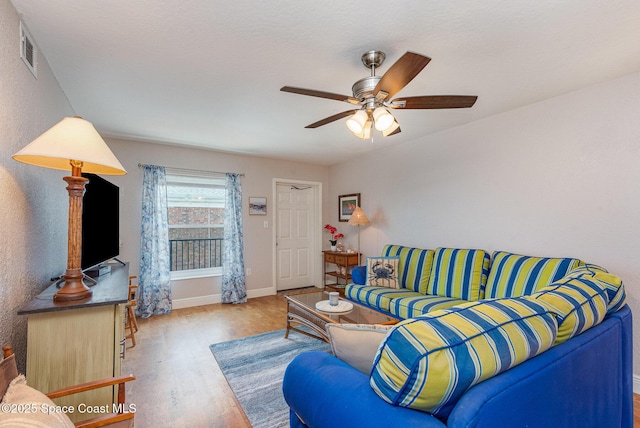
x: 258, y: 241
x: 556, y: 178
x: 33, y: 218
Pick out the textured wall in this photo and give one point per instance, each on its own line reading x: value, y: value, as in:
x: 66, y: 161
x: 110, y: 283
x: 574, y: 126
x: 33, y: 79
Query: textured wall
x: 259, y: 173
x: 555, y: 178
x: 33, y: 213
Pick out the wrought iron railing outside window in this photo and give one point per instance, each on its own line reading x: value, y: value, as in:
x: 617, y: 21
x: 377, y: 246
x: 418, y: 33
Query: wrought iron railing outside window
x: 199, y: 253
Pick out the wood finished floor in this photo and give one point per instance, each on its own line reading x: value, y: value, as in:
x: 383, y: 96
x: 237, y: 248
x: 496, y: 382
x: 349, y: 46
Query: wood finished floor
x: 179, y: 383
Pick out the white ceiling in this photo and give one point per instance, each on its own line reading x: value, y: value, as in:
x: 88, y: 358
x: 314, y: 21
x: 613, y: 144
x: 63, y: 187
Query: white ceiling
x: 208, y: 73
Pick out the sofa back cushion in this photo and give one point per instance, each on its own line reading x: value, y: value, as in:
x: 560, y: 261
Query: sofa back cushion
x: 616, y: 295
x: 579, y: 304
x: 414, y: 266
x: 427, y: 363
x: 514, y: 275
x: 458, y: 273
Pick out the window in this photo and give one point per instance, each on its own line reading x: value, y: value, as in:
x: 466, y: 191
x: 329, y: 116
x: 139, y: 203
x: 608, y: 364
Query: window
x: 196, y: 223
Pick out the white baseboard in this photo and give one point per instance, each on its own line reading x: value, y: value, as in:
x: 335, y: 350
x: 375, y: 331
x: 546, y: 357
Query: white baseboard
x: 261, y: 292
x: 636, y: 384
x: 191, y: 302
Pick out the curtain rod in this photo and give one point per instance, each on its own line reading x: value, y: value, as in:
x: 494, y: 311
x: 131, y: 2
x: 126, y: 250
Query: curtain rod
x: 201, y: 171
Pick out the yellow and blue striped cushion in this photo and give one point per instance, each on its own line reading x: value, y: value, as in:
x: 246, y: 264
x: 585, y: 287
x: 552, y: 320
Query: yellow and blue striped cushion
x: 514, y: 275
x: 615, y: 288
x: 458, y: 273
x: 400, y: 303
x: 379, y: 298
x: 413, y: 267
x: 415, y: 305
x: 579, y: 303
x: 427, y: 363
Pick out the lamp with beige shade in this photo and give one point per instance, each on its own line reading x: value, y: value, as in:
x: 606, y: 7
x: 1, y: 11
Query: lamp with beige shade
x: 359, y: 218
x: 72, y: 144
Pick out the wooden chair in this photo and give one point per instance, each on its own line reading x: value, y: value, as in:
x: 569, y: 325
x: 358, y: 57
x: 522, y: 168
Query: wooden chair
x: 8, y: 372
x: 131, y: 323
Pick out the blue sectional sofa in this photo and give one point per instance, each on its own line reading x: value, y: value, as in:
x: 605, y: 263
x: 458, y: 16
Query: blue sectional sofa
x: 501, y: 341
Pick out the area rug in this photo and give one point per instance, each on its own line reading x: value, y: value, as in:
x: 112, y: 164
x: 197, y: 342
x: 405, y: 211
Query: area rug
x: 254, y: 367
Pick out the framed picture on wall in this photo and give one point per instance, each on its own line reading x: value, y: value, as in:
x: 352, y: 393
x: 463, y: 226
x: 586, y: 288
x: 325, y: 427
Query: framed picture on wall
x: 257, y: 206
x: 347, y: 205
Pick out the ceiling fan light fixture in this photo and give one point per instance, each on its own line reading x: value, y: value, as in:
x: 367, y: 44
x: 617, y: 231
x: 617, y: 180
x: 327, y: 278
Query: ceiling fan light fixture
x: 383, y: 119
x: 365, y: 134
x: 395, y: 125
x: 375, y: 96
x: 356, y: 123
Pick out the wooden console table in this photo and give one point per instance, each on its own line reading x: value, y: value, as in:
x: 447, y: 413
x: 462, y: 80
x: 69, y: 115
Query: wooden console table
x: 341, y: 260
x: 73, y: 342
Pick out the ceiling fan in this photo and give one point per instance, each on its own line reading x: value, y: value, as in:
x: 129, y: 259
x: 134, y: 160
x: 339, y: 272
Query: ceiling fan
x: 373, y: 96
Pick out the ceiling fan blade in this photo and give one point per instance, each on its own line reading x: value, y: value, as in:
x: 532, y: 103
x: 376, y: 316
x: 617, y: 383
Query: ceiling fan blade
x: 434, y: 102
x: 320, y: 94
x: 401, y: 73
x: 331, y: 118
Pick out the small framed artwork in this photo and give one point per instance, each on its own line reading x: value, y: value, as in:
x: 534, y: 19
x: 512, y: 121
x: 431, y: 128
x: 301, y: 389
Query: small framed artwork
x: 347, y: 205
x: 257, y: 206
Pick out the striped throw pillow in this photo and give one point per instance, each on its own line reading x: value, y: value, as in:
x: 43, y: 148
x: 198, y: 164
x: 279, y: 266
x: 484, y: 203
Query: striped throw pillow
x: 579, y: 303
x: 458, y: 273
x: 414, y: 266
x: 427, y: 363
x: 514, y: 275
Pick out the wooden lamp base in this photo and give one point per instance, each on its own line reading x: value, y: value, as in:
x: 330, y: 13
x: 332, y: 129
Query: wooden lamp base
x: 74, y: 288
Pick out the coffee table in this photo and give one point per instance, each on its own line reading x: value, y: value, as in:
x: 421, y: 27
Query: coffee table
x: 301, y: 311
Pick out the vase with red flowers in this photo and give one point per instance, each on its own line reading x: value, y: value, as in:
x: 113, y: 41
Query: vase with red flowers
x: 334, y: 236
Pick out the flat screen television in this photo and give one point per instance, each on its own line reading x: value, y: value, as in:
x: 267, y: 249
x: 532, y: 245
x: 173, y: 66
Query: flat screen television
x: 100, y: 221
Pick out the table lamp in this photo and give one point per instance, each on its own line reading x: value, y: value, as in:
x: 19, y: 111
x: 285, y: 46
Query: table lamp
x: 359, y: 218
x: 72, y: 144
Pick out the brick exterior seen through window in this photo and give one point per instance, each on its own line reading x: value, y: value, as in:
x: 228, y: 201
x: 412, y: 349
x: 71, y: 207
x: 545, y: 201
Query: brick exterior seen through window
x: 196, y: 236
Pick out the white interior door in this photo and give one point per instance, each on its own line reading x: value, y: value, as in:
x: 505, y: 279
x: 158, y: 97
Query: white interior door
x: 294, y: 236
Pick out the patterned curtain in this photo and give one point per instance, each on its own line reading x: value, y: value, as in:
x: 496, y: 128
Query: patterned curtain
x: 154, y: 293
x: 233, y: 285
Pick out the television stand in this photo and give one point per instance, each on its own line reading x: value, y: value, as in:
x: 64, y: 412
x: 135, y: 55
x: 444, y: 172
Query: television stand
x: 98, y: 271
x: 60, y: 333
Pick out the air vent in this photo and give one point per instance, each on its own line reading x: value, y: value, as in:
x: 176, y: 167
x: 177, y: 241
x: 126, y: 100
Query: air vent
x: 28, y: 50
